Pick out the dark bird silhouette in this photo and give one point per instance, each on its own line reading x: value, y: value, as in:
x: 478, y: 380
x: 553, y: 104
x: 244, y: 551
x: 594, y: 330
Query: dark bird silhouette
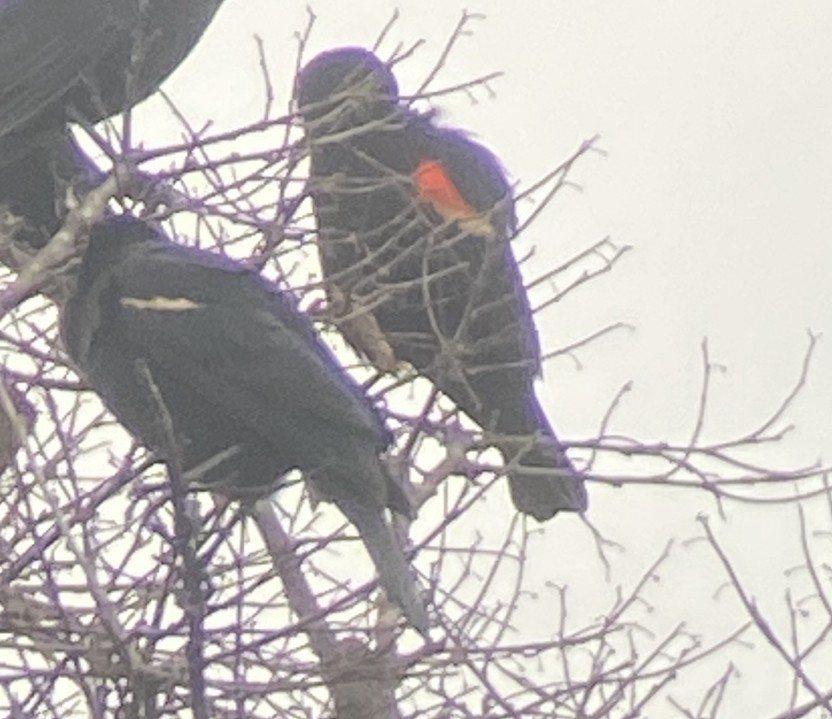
x: 250, y: 391
x: 36, y: 178
x: 414, y: 223
x: 89, y: 58
x: 80, y: 60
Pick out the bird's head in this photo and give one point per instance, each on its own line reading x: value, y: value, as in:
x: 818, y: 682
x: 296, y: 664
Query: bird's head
x: 344, y: 87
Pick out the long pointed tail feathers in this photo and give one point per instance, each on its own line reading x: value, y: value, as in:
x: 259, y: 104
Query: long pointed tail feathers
x: 395, y: 574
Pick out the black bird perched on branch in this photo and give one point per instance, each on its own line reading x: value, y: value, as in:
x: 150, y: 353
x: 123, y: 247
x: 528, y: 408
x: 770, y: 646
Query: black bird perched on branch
x: 414, y: 223
x: 162, y: 330
x: 80, y: 60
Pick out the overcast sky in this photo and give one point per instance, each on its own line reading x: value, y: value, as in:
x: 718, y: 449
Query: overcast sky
x: 715, y: 118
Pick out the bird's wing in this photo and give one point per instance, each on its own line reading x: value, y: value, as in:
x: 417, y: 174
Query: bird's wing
x: 462, y: 180
x: 45, y: 47
x: 232, y: 337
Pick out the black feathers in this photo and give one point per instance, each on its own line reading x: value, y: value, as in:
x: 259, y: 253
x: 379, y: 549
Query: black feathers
x: 89, y: 58
x: 79, y: 60
x: 249, y: 389
x: 414, y: 226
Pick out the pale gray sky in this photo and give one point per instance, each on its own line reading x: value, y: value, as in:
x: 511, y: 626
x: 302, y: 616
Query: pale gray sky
x: 715, y: 117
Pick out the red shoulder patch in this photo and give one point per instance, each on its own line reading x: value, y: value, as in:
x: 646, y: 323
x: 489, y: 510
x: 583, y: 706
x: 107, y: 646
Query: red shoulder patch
x: 436, y: 188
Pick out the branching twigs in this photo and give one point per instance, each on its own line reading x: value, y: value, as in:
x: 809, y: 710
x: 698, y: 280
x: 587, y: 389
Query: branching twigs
x: 461, y: 30
x: 557, y: 178
x: 52, y: 260
x: 719, y: 467
x: 579, y: 270
x: 185, y: 544
x: 765, y: 628
x: 112, y: 594
x: 358, y: 691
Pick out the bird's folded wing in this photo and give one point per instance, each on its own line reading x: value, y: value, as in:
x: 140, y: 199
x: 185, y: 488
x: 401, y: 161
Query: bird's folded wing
x: 474, y: 175
x: 232, y: 337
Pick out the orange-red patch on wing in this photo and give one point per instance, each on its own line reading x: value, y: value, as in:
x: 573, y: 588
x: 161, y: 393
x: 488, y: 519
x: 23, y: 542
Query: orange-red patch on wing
x: 436, y: 188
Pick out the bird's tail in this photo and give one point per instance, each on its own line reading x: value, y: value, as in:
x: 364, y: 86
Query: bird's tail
x: 542, y: 478
x: 543, y: 482
x: 394, y: 572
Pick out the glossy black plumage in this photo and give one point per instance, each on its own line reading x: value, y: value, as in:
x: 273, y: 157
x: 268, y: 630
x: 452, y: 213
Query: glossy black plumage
x: 414, y: 223
x: 250, y: 390
x: 64, y: 60
x: 90, y: 57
